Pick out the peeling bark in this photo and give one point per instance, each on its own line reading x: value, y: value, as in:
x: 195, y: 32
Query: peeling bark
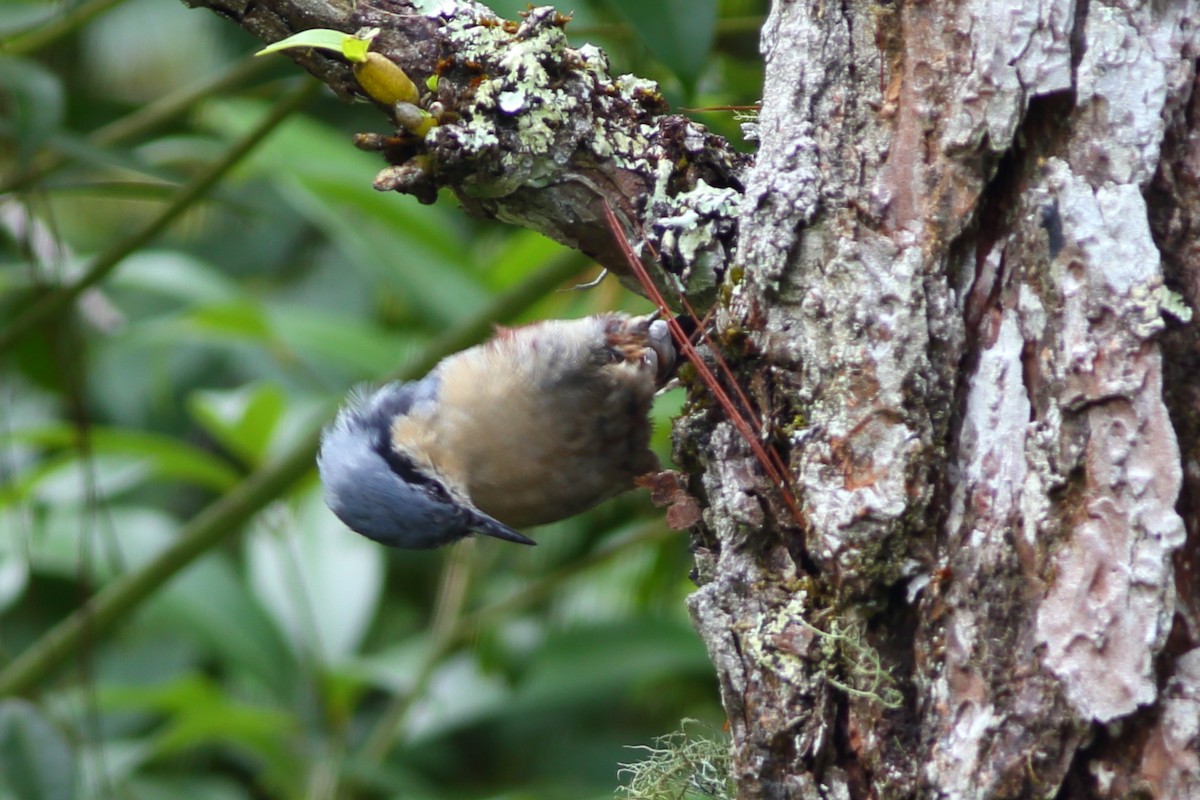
x: 948, y: 282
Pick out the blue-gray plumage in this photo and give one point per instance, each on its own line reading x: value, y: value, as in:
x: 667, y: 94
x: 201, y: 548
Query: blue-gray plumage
x: 538, y: 424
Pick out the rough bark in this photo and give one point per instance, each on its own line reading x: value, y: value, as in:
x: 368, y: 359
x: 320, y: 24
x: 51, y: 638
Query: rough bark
x: 948, y: 283
x: 952, y: 276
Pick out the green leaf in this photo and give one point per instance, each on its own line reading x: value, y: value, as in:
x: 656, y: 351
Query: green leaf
x: 459, y: 694
x: 211, y: 605
x: 521, y: 252
x: 111, y: 760
x: 678, y: 32
x: 320, y: 38
x: 325, y: 151
x: 18, y: 16
x: 176, y: 275
x: 200, y: 713
x: 242, y: 420
x: 354, y: 48
x: 83, y: 149
x: 185, y: 786
x: 31, y: 105
x: 70, y: 479
x: 14, y: 559
x: 431, y: 275
x: 367, y: 351
x: 394, y: 668
x: 14, y: 574
x: 165, y: 456
x: 588, y: 664
x: 132, y: 536
x: 35, y: 760
x: 417, y: 253
x: 238, y: 320
x: 321, y: 582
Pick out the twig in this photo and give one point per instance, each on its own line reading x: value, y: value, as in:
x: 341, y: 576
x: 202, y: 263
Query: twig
x: 199, y: 186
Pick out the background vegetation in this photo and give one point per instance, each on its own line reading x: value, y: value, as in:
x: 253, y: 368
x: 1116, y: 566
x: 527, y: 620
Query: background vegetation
x: 193, y: 270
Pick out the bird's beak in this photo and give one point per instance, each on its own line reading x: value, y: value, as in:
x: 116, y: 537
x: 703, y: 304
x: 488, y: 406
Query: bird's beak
x: 486, y: 526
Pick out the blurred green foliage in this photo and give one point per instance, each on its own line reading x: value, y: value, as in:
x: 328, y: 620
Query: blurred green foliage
x: 285, y: 657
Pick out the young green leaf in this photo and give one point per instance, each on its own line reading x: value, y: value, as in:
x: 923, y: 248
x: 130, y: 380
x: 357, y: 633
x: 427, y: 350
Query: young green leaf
x: 322, y: 39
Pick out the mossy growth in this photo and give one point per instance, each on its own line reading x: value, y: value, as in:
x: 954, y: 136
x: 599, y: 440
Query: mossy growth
x: 733, y: 278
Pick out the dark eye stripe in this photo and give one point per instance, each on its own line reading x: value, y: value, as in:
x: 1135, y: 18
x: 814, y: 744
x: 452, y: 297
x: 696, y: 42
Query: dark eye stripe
x: 406, y: 468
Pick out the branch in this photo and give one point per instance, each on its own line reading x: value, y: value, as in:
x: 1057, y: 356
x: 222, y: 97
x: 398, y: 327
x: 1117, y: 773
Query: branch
x: 533, y: 132
x: 198, y: 187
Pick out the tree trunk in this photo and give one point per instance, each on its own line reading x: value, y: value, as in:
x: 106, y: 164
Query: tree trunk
x: 957, y: 310
x: 966, y: 244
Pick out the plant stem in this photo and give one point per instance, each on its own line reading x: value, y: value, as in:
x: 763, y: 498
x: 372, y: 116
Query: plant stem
x: 197, y: 188
x: 141, y: 120
x: 43, y: 35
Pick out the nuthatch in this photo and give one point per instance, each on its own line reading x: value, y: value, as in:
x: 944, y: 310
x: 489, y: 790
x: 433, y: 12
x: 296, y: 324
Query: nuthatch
x: 542, y: 422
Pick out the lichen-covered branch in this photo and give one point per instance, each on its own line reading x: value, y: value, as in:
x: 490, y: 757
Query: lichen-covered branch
x: 535, y: 132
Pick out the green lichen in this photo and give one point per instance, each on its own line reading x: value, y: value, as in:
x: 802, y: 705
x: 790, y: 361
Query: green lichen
x: 733, y: 338
x: 516, y: 86
x: 692, y: 227
x: 1173, y: 304
x: 684, y: 764
x: 793, y: 427
x: 835, y: 652
x: 879, y: 560
x: 733, y: 278
x: 1150, y: 302
x: 700, y: 207
x: 529, y: 111
x: 531, y: 77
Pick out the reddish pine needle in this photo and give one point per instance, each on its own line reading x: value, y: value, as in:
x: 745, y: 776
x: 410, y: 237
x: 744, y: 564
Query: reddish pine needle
x: 770, y: 460
x: 772, y: 453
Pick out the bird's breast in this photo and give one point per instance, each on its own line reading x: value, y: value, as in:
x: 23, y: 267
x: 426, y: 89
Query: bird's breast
x: 529, y: 452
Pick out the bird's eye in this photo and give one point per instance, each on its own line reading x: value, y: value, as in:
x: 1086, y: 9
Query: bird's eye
x: 608, y: 355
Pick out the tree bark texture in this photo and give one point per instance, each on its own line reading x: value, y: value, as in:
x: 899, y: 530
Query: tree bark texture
x: 955, y: 283
x: 951, y: 240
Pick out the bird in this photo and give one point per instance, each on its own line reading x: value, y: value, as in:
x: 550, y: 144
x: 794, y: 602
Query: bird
x: 539, y: 423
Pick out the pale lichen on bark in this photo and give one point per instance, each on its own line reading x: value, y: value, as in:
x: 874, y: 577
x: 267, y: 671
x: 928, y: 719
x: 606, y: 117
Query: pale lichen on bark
x: 1170, y: 760
x: 959, y: 225
x: 837, y: 318
x: 546, y: 136
x: 535, y: 132
x: 1108, y: 609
